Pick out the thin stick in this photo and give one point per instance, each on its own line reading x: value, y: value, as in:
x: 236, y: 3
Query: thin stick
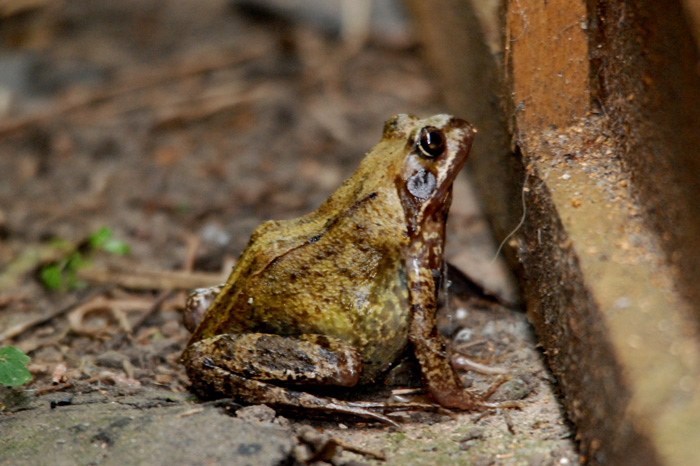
x: 144, y: 81
x: 360, y: 451
x: 152, y: 279
x: 22, y: 327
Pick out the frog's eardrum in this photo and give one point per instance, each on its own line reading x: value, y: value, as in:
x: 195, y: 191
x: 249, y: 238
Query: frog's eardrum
x: 422, y: 184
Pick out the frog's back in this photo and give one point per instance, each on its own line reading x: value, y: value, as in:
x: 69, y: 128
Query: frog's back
x: 346, y: 282
x: 337, y: 271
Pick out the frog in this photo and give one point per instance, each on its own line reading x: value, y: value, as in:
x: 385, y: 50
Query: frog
x: 336, y: 298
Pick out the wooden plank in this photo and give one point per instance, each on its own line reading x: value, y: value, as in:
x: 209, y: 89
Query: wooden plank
x: 617, y: 335
x: 546, y: 50
x: 692, y: 9
x: 602, y: 113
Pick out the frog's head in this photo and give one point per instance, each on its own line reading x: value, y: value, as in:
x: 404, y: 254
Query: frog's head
x: 436, y: 149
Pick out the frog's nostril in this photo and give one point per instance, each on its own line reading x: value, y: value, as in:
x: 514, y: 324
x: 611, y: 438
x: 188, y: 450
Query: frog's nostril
x: 462, y: 124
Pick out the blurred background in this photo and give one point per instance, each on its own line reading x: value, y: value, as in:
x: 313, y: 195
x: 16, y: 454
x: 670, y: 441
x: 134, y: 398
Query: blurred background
x: 142, y: 141
x: 174, y: 128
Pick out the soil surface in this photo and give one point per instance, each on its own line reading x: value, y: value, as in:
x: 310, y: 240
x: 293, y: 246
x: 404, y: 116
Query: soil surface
x: 180, y: 126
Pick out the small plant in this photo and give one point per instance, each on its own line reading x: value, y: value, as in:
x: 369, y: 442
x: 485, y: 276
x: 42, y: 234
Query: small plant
x: 102, y: 239
x: 13, y: 367
x: 62, y: 273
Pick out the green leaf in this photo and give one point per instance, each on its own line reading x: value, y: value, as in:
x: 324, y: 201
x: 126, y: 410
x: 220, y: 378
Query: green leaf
x: 74, y: 261
x: 100, y: 237
x: 62, y: 273
x: 13, y: 367
x: 115, y: 246
x: 51, y: 276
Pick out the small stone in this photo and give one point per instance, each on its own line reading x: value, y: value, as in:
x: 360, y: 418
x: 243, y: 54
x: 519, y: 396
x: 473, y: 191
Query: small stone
x: 484, y: 460
x: 111, y: 359
x: 256, y: 413
x: 538, y: 459
x: 163, y: 378
x: 473, y: 434
x: 516, y: 388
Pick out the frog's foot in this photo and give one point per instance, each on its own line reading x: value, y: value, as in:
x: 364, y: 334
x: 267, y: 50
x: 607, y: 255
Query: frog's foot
x: 438, y: 374
x: 257, y: 392
x: 502, y: 404
x: 390, y: 407
x: 453, y: 395
x: 457, y: 397
x: 479, y: 402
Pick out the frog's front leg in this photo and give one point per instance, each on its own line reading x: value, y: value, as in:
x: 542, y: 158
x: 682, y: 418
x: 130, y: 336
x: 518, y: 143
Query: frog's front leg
x: 437, y: 372
x: 261, y: 368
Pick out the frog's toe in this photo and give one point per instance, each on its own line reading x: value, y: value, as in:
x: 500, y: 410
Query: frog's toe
x: 284, y: 398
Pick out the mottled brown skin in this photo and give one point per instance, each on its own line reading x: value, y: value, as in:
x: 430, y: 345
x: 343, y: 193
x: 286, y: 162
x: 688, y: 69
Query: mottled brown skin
x: 337, y: 297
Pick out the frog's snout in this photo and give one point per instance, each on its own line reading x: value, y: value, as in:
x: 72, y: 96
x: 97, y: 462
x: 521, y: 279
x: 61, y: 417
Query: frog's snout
x: 463, y: 125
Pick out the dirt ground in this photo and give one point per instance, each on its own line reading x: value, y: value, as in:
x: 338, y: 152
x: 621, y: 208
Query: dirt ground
x: 180, y: 126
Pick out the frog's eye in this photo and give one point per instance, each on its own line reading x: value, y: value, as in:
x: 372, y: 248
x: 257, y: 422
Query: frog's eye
x: 432, y: 142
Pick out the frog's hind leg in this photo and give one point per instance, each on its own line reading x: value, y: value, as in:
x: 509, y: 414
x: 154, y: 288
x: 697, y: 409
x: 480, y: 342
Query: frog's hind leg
x: 251, y: 368
x: 256, y: 392
x: 302, y: 360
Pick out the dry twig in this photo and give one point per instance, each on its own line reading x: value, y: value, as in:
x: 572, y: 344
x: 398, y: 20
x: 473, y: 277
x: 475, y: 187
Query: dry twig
x: 148, y: 78
x: 152, y: 279
x: 22, y: 327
